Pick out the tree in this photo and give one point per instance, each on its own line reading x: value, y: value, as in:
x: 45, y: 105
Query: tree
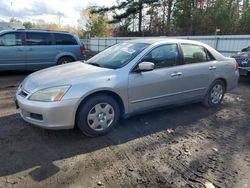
x: 183, y: 16
x: 28, y: 25
x: 126, y: 9
x: 14, y: 20
x: 97, y: 25
x: 245, y: 19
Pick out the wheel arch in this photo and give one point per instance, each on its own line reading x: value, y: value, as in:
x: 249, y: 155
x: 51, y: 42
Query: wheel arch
x: 223, y: 80
x: 71, y: 56
x: 114, y: 95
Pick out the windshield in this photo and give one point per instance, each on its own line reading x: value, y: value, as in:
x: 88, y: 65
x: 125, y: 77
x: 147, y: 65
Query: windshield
x: 118, y: 55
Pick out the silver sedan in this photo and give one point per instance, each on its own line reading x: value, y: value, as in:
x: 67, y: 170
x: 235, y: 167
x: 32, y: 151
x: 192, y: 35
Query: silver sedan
x: 125, y: 79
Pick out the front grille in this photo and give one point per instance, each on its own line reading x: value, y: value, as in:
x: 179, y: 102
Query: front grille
x: 23, y: 93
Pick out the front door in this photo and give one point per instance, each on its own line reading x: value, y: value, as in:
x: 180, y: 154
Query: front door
x: 12, y: 52
x: 159, y: 87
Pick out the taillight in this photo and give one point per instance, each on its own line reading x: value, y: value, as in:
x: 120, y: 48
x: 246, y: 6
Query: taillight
x: 82, y: 50
x: 237, y: 66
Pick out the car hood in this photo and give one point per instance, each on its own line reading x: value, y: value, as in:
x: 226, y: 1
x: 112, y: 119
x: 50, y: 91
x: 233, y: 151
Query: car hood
x: 68, y: 74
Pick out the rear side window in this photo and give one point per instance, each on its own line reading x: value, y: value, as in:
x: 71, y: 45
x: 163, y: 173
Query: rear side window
x: 64, y: 39
x: 11, y: 39
x: 195, y: 54
x: 38, y: 39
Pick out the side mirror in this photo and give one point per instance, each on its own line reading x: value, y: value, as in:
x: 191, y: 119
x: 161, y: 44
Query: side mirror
x: 145, y: 66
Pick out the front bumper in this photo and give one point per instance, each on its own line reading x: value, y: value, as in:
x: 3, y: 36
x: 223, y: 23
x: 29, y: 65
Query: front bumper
x: 49, y: 115
x: 244, y: 71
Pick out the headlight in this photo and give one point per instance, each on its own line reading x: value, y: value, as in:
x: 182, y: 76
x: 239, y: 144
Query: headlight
x: 50, y: 94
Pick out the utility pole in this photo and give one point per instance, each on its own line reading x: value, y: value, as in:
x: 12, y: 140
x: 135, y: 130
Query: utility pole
x: 11, y: 9
x: 59, y: 16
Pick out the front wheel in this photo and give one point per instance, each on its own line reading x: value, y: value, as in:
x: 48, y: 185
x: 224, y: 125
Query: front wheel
x: 215, y: 94
x: 98, y: 115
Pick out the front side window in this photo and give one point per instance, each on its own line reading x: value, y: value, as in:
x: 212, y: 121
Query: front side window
x: 163, y: 56
x: 64, y: 39
x: 195, y: 54
x: 38, y: 38
x: 11, y: 39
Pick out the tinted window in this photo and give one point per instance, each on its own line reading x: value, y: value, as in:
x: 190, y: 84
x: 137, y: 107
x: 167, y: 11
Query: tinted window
x: 11, y: 39
x: 38, y: 39
x: 195, y: 54
x: 163, y: 56
x: 64, y: 39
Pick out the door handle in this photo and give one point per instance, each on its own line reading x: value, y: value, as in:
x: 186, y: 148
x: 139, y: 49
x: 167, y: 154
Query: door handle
x: 176, y: 74
x: 212, y: 67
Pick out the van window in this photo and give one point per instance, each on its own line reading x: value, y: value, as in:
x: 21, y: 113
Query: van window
x: 64, y: 39
x: 38, y: 38
x: 11, y: 39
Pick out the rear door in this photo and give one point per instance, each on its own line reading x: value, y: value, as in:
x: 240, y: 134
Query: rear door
x: 197, y: 71
x: 41, y: 50
x: 12, y: 52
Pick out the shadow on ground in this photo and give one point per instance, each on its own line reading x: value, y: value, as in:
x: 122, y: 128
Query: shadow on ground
x: 24, y: 146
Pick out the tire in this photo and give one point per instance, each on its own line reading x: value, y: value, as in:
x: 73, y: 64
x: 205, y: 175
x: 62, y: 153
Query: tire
x: 64, y: 60
x: 98, y: 115
x: 215, y: 94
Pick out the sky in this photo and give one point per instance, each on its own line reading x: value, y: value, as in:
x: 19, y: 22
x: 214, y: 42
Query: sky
x: 48, y: 10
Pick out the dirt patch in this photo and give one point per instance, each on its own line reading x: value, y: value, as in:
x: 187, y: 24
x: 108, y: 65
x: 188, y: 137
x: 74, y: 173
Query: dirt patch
x: 188, y: 146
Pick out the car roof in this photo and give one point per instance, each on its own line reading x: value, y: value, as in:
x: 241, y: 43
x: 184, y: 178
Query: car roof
x: 35, y: 30
x: 164, y: 40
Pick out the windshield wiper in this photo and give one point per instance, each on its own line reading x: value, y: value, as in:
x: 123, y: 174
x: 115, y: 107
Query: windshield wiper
x: 95, y: 64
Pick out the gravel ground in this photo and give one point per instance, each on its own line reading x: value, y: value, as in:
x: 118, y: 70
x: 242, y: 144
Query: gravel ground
x: 188, y: 146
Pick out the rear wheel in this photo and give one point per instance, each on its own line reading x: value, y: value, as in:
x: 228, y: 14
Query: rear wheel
x: 98, y: 115
x: 64, y: 60
x: 215, y: 94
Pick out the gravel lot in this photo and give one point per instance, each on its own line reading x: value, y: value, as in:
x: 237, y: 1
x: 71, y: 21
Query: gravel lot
x: 188, y: 146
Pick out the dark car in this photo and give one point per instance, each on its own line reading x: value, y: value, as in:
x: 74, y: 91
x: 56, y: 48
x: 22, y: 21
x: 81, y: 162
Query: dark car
x: 38, y: 49
x: 243, y: 59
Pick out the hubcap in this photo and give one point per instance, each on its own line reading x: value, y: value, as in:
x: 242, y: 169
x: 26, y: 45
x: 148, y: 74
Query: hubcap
x: 101, y: 116
x: 216, y: 94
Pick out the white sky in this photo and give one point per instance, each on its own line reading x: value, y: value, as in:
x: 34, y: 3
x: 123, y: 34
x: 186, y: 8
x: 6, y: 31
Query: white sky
x: 48, y: 10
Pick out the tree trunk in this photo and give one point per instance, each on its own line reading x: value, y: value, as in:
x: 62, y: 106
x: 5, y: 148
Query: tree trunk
x: 163, y: 18
x: 140, y: 16
x: 170, y: 4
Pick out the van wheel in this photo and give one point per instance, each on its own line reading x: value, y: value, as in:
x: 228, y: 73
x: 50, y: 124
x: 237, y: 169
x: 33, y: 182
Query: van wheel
x: 98, y: 115
x: 64, y: 60
x: 215, y: 94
